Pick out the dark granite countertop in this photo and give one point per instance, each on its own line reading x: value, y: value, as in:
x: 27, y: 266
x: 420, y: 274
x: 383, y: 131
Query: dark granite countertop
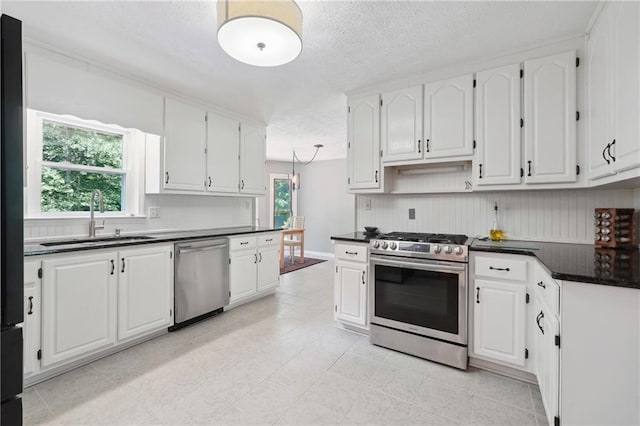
x: 35, y: 248
x: 576, y: 262
x: 354, y: 237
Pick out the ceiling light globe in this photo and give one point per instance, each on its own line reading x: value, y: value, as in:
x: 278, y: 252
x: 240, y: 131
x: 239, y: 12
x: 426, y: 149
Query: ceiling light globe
x: 264, y: 33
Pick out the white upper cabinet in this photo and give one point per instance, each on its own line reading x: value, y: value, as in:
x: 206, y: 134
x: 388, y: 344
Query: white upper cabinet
x: 185, y: 138
x: 497, y: 113
x: 223, y: 150
x: 401, y: 125
x: 550, y: 119
x: 448, y: 118
x: 363, y: 148
x: 614, y: 91
x: 252, y: 159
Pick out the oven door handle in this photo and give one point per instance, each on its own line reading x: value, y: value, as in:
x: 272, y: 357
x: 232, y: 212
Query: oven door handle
x: 420, y: 264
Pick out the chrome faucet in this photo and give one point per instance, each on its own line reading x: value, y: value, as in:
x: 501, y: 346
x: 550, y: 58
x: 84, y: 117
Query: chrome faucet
x: 92, y: 221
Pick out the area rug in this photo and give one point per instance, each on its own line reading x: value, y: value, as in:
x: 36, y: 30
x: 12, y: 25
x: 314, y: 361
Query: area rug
x: 308, y: 261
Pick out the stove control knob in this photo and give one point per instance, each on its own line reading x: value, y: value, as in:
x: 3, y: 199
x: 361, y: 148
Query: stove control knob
x: 392, y: 245
x: 375, y: 244
x: 446, y: 249
x: 436, y: 249
x: 383, y: 244
x: 458, y: 250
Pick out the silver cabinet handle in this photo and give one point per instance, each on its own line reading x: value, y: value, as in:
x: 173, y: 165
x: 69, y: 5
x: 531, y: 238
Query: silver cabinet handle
x: 166, y: 177
x: 353, y: 253
x: 30, y: 306
x: 113, y: 266
x: 122, y: 271
x: 363, y: 272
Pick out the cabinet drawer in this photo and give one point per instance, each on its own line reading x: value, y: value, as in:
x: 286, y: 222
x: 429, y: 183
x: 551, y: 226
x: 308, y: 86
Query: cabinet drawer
x: 353, y: 252
x: 244, y: 242
x: 548, y: 290
x: 268, y: 239
x: 508, y: 269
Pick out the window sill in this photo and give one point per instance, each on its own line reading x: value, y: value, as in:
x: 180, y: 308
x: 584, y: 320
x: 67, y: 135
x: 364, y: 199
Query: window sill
x: 84, y: 217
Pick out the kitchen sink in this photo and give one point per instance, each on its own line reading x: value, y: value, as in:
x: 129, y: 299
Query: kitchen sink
x: 93, y: 241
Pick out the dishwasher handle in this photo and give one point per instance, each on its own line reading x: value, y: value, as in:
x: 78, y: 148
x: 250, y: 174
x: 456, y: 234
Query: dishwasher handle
x: 192, y: 249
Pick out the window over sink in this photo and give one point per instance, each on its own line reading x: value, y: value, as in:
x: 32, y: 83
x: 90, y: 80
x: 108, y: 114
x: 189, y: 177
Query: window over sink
x: 69, y: 157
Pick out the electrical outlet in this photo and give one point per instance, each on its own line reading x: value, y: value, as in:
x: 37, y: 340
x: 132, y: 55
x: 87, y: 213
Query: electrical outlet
x: 367, y: 204
x: 412, y: 213
x: 154, y: 212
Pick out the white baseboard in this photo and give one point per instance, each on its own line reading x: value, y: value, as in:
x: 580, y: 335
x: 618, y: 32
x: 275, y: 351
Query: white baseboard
x: 320, y: 254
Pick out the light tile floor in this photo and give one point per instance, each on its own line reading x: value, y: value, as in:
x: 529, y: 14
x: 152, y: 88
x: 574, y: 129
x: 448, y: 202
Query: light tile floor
x: 279, y: 360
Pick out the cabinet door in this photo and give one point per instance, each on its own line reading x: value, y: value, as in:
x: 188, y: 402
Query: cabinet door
x: 550, y: 371
x: 242, y: 274
x: 351, y: 292
x: 448, y: 120
x: 499, y: 321
x: 599, y: 93
x: 268, y: 267
x: 145, y: 296
x: 252, y: 159
x: 31, y: 329
x: 402, y: 125
x: 223, y: 150
x: 550, y: 119
x: 78, y: 306
x: 185, y: 139
x: 363, y: 147
x: 626, y: 82
x: 498, y: 126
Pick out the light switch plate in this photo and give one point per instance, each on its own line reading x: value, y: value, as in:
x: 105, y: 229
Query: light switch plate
x: 154, y: 212
x: 412, y: 213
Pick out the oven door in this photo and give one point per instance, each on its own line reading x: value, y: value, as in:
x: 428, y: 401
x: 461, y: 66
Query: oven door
x: 425, y: 297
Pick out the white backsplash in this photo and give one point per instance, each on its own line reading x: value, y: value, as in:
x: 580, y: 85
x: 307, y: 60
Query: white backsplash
x: 176, y: 212
x: 560, y: 215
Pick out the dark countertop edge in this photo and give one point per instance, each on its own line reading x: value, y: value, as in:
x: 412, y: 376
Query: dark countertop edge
x: 560, y: 275
x: 356, y: 237
x: 163, y: 237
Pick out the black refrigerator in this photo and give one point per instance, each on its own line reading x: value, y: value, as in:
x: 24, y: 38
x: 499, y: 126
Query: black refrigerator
x: 11, y: 220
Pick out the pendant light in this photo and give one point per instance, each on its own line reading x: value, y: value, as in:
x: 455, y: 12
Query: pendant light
x: 295, y: 177
x: 264, y: 33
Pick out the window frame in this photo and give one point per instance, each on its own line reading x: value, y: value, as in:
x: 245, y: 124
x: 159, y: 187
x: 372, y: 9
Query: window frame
x: 133, y: 142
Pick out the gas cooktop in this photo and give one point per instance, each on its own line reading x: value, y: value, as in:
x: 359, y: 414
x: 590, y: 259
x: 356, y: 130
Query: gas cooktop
x: 452, y: 247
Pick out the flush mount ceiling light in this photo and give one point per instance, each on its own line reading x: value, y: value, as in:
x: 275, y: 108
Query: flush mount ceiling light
x: 264, y: 33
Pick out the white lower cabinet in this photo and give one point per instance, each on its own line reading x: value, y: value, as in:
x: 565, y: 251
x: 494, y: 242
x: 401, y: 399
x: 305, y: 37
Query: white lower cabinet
x: 351, y: 285
x: 254, y: 265
x: 31, y: 324
x: 145, y: 296
x: 548, y: 358
x: 499, y: 319
x: 78, y: 305
x: 351, y: 292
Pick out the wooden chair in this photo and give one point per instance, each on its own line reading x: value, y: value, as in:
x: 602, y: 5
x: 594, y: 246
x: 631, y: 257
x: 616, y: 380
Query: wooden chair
x: 295, y: 240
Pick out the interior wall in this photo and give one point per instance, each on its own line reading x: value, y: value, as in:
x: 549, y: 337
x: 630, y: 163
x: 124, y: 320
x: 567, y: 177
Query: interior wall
x: 323, y: 201
x: 181, y: 212
x: 558, y: 215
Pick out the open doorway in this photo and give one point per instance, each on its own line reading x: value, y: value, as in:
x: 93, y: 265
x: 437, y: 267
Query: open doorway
x: 283, y: 202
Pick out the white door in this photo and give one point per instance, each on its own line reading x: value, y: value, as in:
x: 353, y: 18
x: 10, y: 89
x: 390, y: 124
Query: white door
x: 550, y: 119
x: 499, y: 321
x: 243, y: 274
x: 78, y: 305
x: 268, y: 267
x: 185, y: 138
x: 401, y: 125
x: 31, y: 329
x: 223, y: 154
x: 498, y: 126
x: 550, y: 353
x: 626, y: 81
x: 351, y: 292
x: 448, y: 117
x: 600, y: 114
x: 145, y: 296
x: 363, y: 143
x: 252, y: 159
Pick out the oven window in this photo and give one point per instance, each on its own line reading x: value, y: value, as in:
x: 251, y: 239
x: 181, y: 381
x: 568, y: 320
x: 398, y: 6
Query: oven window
x: 423, y: 298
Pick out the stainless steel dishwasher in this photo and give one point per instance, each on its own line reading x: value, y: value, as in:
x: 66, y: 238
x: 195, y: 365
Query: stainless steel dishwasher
x: 201, y: 286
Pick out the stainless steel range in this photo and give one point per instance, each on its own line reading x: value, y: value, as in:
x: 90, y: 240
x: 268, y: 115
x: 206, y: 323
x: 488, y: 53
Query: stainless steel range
x: 418, y: 302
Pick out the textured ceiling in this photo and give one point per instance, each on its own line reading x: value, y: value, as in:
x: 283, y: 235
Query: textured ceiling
x: 347, y: 45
